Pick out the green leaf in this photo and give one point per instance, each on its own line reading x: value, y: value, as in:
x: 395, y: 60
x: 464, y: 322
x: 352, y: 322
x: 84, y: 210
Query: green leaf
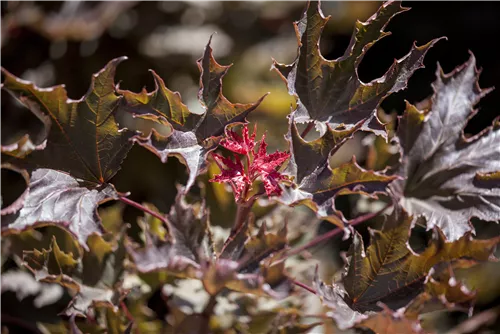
x: 95, y: 279
x: 329, y: 91
x: 449, y: 179
x: 389, y: 272
x: 192, y: 135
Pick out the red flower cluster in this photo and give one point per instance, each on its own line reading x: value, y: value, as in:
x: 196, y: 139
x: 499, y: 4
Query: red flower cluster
x: 259, y: 164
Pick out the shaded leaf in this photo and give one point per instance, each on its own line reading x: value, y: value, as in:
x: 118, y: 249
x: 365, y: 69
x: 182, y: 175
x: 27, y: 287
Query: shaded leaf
x: 389, y: 272
x: 449, y: 179
x: 192, y: 136
x: 316, y: 184
x: 84, y: 139
x: 95, y: 279
x: 57, y: 198
x: 329, y: 91
x: 390, y: 322
x: 182, y: 252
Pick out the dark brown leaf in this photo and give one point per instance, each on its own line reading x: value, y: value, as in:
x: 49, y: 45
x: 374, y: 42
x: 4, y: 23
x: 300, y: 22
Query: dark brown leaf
x: 449, y: 179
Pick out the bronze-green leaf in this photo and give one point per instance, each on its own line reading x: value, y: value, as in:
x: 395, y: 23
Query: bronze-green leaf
x: 192, y: 135
x: 84, y: 139
x: 389, y: 272
x: 330, y: 91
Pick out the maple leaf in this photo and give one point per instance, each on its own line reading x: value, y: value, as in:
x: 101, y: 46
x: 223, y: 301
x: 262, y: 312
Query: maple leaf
x: 95, y: 278
x: 449, y: 179
x: 193, y: 135
x: 329, y: 92
x: 315, y: 183
x: 260, y: 164
x: 389, y: 272
x: 181, y: 253
x: 241, y: 265
x: 55, y: 198
x: 83, y: 141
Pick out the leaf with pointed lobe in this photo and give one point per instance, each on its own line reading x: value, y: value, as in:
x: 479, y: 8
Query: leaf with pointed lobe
x: 84, y: 139
x: 329, y: 92
x: 389, y: 272
x: 56, y: 198
x: 449, y: 179
x: 391, y: 322
x: 316, y: 184
x: 248, y: 266
x: 181, y: 252
x: 193, y: 135
x: 95, y: 279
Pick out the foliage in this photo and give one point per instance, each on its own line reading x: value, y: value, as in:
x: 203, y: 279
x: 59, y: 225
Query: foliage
x: 113, y: 269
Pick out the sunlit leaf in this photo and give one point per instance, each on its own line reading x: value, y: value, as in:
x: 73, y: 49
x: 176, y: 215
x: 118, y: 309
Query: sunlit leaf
x: 449, y: 179
x: 329, y: 92
x: 316, y: 184
x: 192, y: 135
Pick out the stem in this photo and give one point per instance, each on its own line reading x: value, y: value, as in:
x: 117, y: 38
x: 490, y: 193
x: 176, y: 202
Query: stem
x: 304, y: 286
x: 244, y: 208
x: 129, y: 315
x: 331, y: 234
x: 142, y: 208
x: 309, y: 127
x: 209, y: 308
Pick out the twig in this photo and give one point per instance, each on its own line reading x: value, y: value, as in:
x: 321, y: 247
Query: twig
x: 309, y: 127
x: 304, y: 286
x: 331, y: 234
x: 142, y: 208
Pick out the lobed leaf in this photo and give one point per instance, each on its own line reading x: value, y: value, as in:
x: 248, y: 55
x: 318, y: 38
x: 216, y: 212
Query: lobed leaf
x: 84, y: 139
x: 329, y: 92
x: 316, y: 184
x: 449, y: 179
x: 85, y: 147
x: 389, y: 272
x: 193, y: 135
x: 56, y: 198
x: 95, y: 279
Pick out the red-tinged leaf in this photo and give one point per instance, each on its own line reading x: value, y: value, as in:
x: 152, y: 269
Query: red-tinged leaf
x: 391, y: 322
x: 185, y: 249
x: 315, y: 184
x: 193, y: 135
x: 389, y: 272
x: 55, y: 198
x: 449, y: 179
x: 95, y: 279
x: 84, y: 139
x: 329, y: 92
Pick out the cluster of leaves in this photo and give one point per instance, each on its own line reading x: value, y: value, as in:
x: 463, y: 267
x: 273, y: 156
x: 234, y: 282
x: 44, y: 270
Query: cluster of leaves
x: 440, y: 181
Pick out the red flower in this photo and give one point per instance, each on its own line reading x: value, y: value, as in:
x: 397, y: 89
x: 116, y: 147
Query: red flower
x: 260, y: 164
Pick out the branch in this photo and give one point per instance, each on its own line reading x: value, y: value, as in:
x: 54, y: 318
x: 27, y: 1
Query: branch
x: 304, y: 286
x: 331, y: 234
x: 142, y: 208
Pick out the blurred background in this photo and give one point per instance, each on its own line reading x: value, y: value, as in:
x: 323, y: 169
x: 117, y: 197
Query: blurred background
x: 65, y: 42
